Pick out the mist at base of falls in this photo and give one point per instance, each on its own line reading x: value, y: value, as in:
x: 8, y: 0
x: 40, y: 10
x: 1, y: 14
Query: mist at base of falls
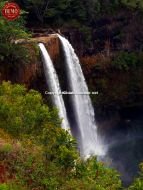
x: 125, y: 142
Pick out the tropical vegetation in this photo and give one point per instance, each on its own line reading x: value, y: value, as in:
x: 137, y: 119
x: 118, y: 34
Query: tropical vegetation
x: 35, y: 152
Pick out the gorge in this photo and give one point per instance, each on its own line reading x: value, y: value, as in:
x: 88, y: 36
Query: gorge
x: 114, y: 122
x: 83, y: 127
x: 55, y: 133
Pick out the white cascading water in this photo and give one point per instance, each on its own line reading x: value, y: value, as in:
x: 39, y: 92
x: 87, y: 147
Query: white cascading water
x: 54, y: 86
x: 89, y: 141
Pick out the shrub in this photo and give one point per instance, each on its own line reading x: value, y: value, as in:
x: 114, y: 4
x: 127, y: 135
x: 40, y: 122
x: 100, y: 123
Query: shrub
x: 10, y: 186
x: 23, y: 113
x: 125, y: 61
x: 138, y: 182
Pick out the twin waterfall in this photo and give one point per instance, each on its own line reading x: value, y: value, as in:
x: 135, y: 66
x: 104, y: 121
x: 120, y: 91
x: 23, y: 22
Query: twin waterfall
x: 84, y: 127
x: 54, y: 86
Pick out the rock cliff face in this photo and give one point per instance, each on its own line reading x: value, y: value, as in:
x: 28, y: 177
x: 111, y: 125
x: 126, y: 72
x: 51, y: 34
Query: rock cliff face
x: 116, y: 88
x: 20, y: 72
x: 27, y: 73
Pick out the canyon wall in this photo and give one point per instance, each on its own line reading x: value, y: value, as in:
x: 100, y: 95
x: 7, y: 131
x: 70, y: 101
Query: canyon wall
x: 118, y: 89
x: 26, y: 73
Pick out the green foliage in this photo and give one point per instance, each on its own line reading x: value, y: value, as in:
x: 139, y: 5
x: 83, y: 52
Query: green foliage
x: 10, y: 186
x: 86, y: 31
x: 138, y: 182
x: 6, y: 148
x: 3, y: 187
x: 33, y: 171
x: 60, y: 12
x: 45, y: 157
x: 78, y: 14
x: 23, y: 113
x: 60, y: 148
x: 9, y: 32
x: 125, y: 61
x: 97, y: 175
x: 133, y: 3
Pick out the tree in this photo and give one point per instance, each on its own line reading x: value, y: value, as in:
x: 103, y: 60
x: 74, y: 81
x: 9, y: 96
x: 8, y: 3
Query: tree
x: 40, y: 8
x: 10, y: 31
x: 22, y: 112
x: 44, y: 9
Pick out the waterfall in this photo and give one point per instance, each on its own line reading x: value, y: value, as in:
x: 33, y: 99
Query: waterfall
x: 88, y: 139
x: 54, y: 86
